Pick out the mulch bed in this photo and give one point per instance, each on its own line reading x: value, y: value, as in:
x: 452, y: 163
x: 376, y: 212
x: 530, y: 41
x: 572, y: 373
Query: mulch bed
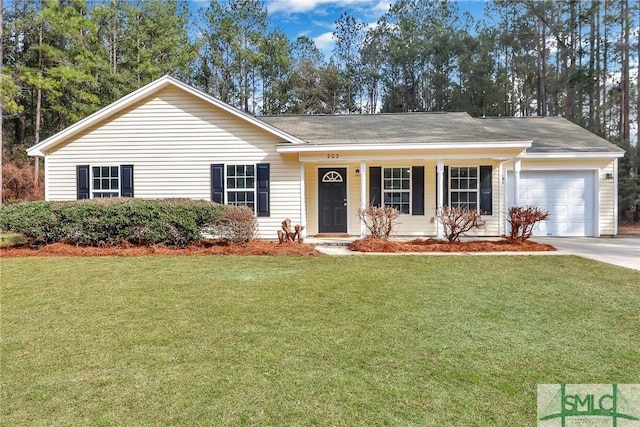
x: 261, y: 247
x: 432, y: 245
x: 256, y: 247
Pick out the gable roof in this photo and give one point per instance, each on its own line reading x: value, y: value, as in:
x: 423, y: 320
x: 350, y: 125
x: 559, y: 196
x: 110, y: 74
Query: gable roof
x: 537, y: 134
x: 551, y: 134
x: 396, y: 128
x: 110, y: 110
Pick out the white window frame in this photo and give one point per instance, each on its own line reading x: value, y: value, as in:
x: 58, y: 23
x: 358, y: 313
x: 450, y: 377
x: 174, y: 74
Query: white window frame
x: 408, y: 191
x: 112, y: 192
x: 227, y: 190
x: 459, y: 191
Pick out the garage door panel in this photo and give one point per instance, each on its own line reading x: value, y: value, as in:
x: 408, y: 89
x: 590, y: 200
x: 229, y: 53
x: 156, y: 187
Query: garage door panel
x: 567, y: 196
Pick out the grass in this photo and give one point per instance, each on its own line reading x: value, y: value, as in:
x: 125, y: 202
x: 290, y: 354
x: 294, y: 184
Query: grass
x: 441, y: 341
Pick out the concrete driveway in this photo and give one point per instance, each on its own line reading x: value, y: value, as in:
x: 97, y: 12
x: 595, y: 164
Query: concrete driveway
x: 623, y: 251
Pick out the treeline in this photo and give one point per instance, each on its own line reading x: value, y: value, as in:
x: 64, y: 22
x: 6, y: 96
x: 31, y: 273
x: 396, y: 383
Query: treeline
x: 63, y: 60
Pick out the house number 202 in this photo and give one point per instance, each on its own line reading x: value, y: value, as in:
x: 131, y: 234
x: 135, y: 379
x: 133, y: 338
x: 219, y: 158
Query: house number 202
x: 333, y: 156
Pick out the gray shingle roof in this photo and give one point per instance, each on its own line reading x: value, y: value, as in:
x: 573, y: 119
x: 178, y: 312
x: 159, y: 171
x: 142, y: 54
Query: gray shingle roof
x: 549, y: 134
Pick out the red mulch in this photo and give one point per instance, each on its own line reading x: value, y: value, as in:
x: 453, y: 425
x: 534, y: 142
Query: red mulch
x: 256, y: 247
x: 432, y: 245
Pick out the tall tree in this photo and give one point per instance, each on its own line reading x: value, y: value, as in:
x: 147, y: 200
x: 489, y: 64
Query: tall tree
x: 232, y: 37
x: 349, y: 36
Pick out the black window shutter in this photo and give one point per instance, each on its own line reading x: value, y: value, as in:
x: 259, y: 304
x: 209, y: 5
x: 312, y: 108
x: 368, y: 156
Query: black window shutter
x: 263, y: 189
x: 485, y: 190
x: 217, y: 183
x: 126, y: 181
x: 375, y: 186
x: 82, y: 181
x: 417, y: 190
x: 445, y: 184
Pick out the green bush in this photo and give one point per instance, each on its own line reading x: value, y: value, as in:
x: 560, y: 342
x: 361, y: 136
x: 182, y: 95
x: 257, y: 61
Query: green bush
x: 110, y: 222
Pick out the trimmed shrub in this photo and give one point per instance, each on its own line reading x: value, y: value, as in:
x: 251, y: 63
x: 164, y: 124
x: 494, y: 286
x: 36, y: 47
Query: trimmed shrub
x: 237, y: 224
x: 457, y: 221
x: 523, y: 220
x: 111, y: 222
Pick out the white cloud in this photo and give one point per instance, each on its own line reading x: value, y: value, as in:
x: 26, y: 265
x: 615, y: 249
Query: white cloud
x: 324, y: 42
x: 303, y: 6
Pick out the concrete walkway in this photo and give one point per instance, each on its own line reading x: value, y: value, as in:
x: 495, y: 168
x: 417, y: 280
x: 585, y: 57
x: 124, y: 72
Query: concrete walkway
x: 623, y: 251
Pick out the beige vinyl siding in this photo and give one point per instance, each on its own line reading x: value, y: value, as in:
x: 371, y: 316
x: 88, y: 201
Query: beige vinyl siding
x: 407, y: 225
x: 607, y: 203
x: 172, y: 138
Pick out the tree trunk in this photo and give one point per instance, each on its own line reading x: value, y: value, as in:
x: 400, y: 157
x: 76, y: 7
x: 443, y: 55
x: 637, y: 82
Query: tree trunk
x: 624, y: 78
x: 36, y: 160
x: 1, y: 77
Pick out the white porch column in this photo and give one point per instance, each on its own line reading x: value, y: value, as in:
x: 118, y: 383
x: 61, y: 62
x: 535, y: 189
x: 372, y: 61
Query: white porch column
x: 440, y: 202
x: 363, y: 195
x: 615, y: 196
x: 303, y: 199
x: 501, y: 213
x: 516, y: 181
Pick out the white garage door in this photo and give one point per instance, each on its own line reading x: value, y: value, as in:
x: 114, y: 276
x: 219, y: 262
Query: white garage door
x: 568, y: 196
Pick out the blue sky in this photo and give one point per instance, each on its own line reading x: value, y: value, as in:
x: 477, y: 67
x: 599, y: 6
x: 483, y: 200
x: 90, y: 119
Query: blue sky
x: 316, y: 18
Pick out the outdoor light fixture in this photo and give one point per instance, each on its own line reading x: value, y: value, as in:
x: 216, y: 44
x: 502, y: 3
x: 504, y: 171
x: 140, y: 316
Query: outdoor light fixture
x: 357, y: 172
x: 608, y: 176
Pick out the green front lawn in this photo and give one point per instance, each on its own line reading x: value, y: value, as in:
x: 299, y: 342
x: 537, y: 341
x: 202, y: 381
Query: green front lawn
x: 375, y: 340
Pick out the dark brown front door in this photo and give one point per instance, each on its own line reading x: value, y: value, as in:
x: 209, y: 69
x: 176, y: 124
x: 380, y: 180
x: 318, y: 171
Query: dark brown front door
x: 332, y: 200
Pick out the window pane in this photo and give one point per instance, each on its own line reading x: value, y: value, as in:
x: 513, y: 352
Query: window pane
x: 250, y: 183
x: 473, y: 184
x: 104, y: 171
x: 473, y: 172
x: 114, y: 183
x: 96, y: 184
x: 250, y: 170
x: 114, y: 171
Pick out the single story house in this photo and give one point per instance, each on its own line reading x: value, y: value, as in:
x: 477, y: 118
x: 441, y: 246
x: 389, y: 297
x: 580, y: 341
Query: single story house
x: 168, y: 139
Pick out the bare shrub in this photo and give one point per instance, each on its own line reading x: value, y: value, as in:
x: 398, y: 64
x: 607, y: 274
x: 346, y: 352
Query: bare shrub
x: 380, y: 221
x: 18, y: 183
x: 457, y: 221
x: 523, y: 220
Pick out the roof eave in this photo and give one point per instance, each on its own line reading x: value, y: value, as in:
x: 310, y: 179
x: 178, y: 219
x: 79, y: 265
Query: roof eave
x: 575, y: 154
x: 311, y: 148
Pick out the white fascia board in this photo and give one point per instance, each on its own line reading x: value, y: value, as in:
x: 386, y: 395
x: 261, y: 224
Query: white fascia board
x: 576, y: 155
x: 314, y: 148
x: 39, y: 150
